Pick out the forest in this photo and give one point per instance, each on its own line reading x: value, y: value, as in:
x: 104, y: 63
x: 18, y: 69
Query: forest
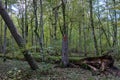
x: 59, y: 39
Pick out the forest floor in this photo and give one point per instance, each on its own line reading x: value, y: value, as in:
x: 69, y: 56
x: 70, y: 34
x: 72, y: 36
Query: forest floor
x: 19, y: 70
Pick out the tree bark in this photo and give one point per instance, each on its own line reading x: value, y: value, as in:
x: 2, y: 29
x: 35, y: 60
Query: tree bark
x: 20, y: 41
x: 65, y: 59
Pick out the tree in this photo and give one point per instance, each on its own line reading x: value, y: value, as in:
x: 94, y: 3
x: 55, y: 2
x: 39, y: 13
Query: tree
x: 42, y: 28
x: 64, y: 31
x: 92, y: 25
x: 26, y: 22
x: 5, y: 34
x: 115, y: 27
x: 20, y: 41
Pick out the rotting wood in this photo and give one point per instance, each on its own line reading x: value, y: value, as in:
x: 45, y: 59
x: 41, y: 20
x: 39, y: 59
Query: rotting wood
x: 102, y: 64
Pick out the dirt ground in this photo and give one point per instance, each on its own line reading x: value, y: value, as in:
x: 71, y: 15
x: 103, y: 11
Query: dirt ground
x: 19, y: 70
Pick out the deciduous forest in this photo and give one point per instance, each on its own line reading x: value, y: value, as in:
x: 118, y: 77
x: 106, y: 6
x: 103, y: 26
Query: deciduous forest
x: 59, y: 39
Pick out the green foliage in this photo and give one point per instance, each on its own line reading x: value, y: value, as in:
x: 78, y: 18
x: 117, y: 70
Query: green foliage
x: 45, y: 68
x: 28, y: 46
x: 17, y: 74
x: 52, y: 51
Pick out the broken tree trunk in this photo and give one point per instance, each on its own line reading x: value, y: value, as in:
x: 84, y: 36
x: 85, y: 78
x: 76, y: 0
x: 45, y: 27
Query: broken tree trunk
x: 102, y: 62
x: 97, y: 63
x: 20, y: 41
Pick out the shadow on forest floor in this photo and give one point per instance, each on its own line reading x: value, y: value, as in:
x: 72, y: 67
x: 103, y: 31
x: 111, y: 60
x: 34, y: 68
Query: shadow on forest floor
x: 19, y: 70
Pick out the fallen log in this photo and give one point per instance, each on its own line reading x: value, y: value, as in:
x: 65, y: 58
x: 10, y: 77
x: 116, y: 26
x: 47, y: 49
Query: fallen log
x: 100, y: 64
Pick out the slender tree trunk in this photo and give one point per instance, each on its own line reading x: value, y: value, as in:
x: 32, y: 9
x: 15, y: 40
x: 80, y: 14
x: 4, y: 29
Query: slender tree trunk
x: 84, y: 30
x: 36, y: 19
x: 80, y: 40
x: 42, y: 29
x: 85, y: 47
x: 55, y: 12
x: 70, y: 34
x: 32, y: 38
x: 1, y: 31
x: 100, y: 42
x: 50, y: 29
x: 93, y: 30
x: 5, y: 34
x: 20, y: 41
x: 26, y: 22
x: 108, y: 27
x: 37, y: 37
x: 115, y: 28
x: 23, y: 26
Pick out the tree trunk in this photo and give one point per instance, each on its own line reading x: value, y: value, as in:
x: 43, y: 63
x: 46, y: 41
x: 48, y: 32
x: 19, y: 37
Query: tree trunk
x: 23, y: 26
x: 84, y: 30
x: 55, y: 12
x: 115, y: 46
x: 32, y: 38
x: 80, y: 40
x: 26, y: 22
x: 65, y: 60
x: 93, y: 30
x: 36, y: 20
x: 42, y: 30
x: 17, y: 37
x: 1, y: 35
x: 5, y: 34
